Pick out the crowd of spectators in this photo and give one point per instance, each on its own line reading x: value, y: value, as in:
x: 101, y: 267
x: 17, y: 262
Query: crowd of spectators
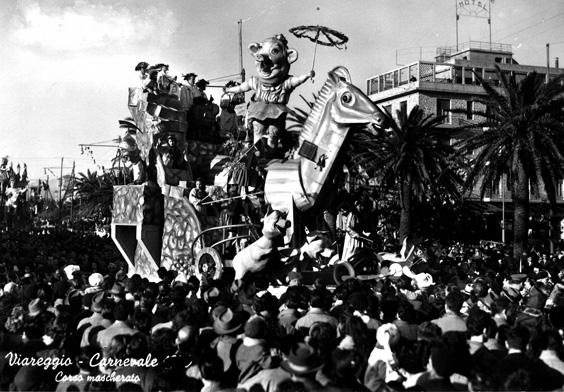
x: 72, y: 320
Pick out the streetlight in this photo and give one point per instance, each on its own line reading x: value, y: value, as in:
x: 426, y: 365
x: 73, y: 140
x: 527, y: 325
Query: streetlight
x: 503, y: 208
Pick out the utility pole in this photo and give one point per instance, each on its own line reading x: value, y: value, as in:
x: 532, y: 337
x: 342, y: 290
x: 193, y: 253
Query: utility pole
x: 60, y: 191
x: 503, y: 183
x: 457, y: 17
x: 490, y: 21
x: 240, y: 23
x: 547, y: 62
x: 72, y: 190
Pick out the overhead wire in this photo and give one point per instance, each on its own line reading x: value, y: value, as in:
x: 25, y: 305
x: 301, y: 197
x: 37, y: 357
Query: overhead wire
x: 527, y: 19
x: 531, y: 26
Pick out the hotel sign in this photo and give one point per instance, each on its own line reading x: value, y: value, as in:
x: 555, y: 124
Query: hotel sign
x: 472, y: 7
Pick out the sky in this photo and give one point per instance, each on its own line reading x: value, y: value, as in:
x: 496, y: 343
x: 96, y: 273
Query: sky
x: 66, y: 65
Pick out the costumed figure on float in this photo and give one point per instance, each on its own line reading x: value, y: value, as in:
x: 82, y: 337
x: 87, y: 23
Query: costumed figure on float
x: 15, y: 196
x: 272, y: 88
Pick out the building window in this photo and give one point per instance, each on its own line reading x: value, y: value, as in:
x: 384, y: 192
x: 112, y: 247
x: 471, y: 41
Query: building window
x: 477, y: 71
x: 443, y: 109
x: 498, y: 59
x: 403, y: 106
x: 469, y: 108
x: 489, y: 111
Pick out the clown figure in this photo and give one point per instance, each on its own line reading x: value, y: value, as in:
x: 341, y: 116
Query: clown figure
x: 272, y: 88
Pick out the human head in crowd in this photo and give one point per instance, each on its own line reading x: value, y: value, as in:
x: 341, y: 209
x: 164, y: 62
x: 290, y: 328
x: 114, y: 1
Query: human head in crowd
x: 320, y: 298
x: 517, y: 338
x: 322, y: 337
x: 163, y: 343
x: 123, y: 310
x: 454, y: 301
x: 478, y: 323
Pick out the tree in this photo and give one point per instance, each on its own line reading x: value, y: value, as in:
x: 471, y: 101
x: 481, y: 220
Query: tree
x: 415, y: 156
x: 521, y: 136
x: 95, y: 193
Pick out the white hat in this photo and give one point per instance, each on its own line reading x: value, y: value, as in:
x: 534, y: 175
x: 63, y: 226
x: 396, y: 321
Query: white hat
x: 96, y: 279
x: 70, y: 269
x: 387, y: 329
x: 10, y: 287
x: 424, y: 280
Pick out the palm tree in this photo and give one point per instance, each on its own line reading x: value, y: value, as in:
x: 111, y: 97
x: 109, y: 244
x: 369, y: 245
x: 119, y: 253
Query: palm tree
x: 414, y: 156
x: 95, y: 192
x: 522, y: 137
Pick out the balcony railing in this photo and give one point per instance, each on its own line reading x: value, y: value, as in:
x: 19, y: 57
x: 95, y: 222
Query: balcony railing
x: 478, y: 45
x: 426, y: 71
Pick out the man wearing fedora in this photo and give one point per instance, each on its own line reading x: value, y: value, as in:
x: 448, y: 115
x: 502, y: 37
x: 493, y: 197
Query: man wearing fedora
x: 301, y: 365
x: 36, y: 307
x: 227, y: 325
x: 96, y: 307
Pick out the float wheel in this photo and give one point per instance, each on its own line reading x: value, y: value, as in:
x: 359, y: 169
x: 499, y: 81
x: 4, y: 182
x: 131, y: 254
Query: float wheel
x: 342, y: 270
x: 209, y: 264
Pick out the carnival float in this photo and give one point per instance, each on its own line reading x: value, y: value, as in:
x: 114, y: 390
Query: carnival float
x: 161, y: 220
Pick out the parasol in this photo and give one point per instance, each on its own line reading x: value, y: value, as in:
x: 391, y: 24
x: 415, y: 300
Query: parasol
x: 321, y: 35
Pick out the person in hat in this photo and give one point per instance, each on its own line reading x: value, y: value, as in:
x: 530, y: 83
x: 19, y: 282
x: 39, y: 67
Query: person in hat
x: 98, y: 304
x: 164, y: 80
x: 172, y: 156
x: 143, y: 75
x: 512, y: 287
x: 227, y: 120
x: 382, y: 360
x: 95, y: 282
x: 197, y: 196
x: 303, y: 363
x: 227, y: 324
x: 117, y: 292
x: 101, y: 307
x: 201, y: 85
x: 190, y: 78
x: 138, y: 166
x: 188, y: 92
x: 36, y: 307
x: 151, y: 85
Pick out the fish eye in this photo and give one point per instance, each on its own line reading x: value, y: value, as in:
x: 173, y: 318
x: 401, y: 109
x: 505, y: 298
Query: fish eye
x: 347, y: 98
